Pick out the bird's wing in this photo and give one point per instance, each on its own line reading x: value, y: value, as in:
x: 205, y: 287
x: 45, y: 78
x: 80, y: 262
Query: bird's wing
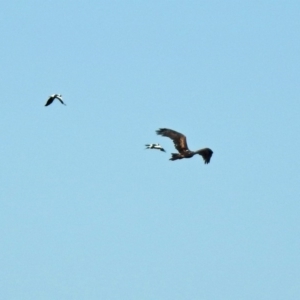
x: 49, y: 101
x: 206, y: 154
x: 178, y: 138
x: 60, y: 99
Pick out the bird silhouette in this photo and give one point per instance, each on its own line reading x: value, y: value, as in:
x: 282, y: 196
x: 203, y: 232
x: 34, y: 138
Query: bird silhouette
x: 155, y: 146
x: 180, y: 144
x: 53, y: 97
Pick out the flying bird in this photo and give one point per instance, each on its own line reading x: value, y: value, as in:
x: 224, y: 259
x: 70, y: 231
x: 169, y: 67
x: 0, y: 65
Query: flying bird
x: 53, y: 97
x: 155, y: 146
x: 180, y: 144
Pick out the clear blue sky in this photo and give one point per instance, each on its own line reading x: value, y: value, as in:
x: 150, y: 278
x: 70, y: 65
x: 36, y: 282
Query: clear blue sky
x: 87, y: 213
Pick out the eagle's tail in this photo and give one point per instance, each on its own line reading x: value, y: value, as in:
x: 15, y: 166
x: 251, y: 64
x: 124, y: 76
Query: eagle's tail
x: 175, y: 156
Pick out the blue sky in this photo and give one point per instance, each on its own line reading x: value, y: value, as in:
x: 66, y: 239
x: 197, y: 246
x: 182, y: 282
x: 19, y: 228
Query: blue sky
x: 87, y: 213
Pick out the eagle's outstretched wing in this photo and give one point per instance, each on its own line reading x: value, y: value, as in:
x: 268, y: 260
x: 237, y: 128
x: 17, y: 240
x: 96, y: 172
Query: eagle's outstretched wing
x: 206, y: 154
x: 178, y: 138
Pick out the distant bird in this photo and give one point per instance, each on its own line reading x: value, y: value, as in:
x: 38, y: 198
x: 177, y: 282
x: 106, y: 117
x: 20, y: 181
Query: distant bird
x: 155, y: 146
x: 181, y: 145
x: 54, y: 96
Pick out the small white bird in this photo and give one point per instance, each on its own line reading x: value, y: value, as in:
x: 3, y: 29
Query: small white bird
x: 155, y: 146
x: 54, y: 96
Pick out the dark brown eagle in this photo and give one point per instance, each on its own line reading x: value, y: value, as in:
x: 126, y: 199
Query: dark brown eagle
x: 181, y: 145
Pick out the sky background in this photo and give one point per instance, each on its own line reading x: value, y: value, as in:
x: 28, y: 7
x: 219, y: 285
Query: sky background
x: 87, y: 213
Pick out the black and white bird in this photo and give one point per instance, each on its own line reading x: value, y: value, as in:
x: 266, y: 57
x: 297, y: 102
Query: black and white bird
x: 155, y: 146
x: 53, y: 97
